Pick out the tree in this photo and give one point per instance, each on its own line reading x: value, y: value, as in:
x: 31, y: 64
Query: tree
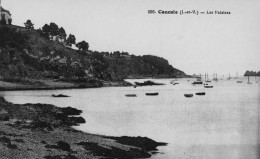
x: 83, y: 45
x: 54, y: 29
x: 70, y: 40
x: 46, y: 29
x: 62, y: 34
x: 28, y: 24
x: 43, y: 34
x: 116, y: 54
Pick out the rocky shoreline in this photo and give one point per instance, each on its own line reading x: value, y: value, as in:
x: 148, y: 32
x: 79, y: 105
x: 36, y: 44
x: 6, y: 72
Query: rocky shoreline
x: 44, y: 131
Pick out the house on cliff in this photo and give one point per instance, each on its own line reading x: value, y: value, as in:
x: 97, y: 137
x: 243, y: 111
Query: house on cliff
x: 5, y: 16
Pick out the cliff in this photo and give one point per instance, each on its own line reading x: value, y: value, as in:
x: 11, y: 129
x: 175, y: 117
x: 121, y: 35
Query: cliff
x: 28, y: 53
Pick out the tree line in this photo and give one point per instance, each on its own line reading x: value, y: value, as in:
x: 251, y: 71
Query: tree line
x: 147, y: 64
x: 53, y: 32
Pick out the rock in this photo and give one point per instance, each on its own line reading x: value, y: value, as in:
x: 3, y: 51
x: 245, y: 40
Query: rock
x: 71, y: 111
x: 59, y: 145
x: 4, y: 115
x: 147, y: 83
x: 142, y: 142
x: 41, y: 125
x: 63, y: 146
x: 76, y: 120
x: 19, y: 140
x: 113, y: 152
x: 7, y: 142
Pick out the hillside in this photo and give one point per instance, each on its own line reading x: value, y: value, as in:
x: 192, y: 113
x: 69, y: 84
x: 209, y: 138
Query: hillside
x: 28, y: 53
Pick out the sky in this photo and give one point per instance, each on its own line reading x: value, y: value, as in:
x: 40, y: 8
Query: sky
x: 204, y: 43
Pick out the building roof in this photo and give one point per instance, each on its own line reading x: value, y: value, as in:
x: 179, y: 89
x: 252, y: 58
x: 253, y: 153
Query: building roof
x: 4, y: 10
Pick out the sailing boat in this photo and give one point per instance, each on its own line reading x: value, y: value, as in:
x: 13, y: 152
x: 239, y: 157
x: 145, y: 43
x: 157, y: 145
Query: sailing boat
x: 215, y: 78
x: 237, y: 78
x: 207, y: 78
x: 229, y: 76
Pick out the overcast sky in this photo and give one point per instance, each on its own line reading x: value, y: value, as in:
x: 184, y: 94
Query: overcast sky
x: 193, y: 43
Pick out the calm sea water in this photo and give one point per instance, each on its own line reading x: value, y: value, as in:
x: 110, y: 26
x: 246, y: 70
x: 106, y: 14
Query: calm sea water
x: 223, y: 124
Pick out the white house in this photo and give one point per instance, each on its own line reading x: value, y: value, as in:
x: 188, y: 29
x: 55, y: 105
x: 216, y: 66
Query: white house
x: 5, y: 14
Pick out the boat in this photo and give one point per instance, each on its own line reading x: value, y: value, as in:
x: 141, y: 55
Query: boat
x: 197, y: 82
x: 239, y: 81
x: 229, y: 76
x: 188, y: 95
x: 200, y: 93
x: 208, y: 78
x: 59, y: 95
x: 152, y: 94
x: 130, y: 95
x: 237, y: 76
x: 208, y: 86
x: 215, y: 77
x: 175, y: 83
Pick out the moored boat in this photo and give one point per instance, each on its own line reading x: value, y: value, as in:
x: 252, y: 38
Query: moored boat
x: 208, y: 86
x: 130, y: 95
x: 152, y: 94
x: 200, y: 93
x: 59, y: 95
x: 197, y: 82
x: 188, y: 95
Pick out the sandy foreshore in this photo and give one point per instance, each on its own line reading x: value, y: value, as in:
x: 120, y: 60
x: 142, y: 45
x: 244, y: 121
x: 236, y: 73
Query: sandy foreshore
x: 44, y: 131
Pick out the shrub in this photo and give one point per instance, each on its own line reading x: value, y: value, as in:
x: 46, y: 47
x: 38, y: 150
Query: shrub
x: 12, y: 38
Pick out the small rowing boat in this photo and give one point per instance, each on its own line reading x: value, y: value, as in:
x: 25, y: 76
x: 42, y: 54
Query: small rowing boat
x: 130, y: 95
x: 152, y: 94
x: 188, y: 95
x: 200, y: 93
x: 59, y: 95
x: 197, y: 82
x: 208, y: 86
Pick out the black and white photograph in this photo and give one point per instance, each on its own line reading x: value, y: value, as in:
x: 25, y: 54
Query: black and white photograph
x: 129, y: 79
